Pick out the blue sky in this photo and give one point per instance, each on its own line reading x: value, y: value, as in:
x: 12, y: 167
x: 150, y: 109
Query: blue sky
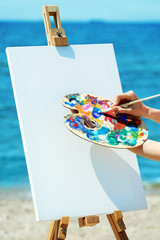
x: 113, y: 10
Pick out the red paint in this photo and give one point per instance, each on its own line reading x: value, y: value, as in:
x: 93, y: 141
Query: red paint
x: 105, y: 102
x: 108, y: 119
x: 71, y: 119
x: 141, y: 134
x: 138, y: 121
x: 90, y: 96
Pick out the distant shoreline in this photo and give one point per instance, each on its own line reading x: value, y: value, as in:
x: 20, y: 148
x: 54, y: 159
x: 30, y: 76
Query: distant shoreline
x: 24, y: 192
x: 92, y: 21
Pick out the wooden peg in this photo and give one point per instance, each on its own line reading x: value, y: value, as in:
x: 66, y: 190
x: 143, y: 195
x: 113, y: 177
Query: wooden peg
x: 118, y: 218
x: 55, y: 36
x: 118, y: 226
x: 88, y: 221
x: 58, y: 229
x: 62, y: 232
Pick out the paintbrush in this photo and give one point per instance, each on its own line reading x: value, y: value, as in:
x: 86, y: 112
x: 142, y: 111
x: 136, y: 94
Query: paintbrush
x: 125, y: 105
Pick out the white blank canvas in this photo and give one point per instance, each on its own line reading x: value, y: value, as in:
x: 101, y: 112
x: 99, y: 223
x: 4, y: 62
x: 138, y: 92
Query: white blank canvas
x: 70, y: 176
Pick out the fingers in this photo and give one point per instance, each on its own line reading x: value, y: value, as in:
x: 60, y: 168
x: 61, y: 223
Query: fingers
x: 124, y: 97
x: 88, y: 122
x: 119, y: 109
x: 118, y: 98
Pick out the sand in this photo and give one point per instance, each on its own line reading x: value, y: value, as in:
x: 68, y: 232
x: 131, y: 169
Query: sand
x: 17, y: 222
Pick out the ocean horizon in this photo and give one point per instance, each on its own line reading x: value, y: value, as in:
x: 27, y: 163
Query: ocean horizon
x: 137, y: 50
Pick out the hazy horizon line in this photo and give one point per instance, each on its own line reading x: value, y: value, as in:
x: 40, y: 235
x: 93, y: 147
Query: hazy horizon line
x: 83, y: 21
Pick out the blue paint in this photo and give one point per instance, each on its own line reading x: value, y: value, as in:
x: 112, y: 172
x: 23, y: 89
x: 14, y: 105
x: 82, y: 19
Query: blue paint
x: 94, y: 101
x: 124, y: 118
x: 96, y: 112
x: 102, y: 131
x: 70, y: 104
x: 131, y: 128
x: 132, y: 142
x: 93, y: 138
x: 78, y: 124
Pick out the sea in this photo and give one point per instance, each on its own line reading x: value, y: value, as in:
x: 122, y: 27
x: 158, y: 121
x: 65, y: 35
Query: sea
x: 137, y: 49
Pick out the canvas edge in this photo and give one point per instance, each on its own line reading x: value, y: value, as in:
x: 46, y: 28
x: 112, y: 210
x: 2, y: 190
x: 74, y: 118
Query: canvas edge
x: 22, y: 134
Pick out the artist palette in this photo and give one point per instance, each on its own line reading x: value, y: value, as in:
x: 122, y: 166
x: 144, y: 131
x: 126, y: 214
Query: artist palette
x: 111, y: 130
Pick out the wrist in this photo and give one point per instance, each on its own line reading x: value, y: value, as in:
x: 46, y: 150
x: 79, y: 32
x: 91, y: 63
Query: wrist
x: 147, y: 112
x: 153, y: 114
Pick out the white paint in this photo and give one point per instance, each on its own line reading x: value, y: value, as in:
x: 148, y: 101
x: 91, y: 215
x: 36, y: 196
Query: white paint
x: 70, y: 176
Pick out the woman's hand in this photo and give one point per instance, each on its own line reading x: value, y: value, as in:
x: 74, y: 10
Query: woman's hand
x: 138, y: 109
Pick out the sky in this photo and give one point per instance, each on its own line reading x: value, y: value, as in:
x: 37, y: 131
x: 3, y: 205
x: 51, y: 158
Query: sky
x: 82, y: 10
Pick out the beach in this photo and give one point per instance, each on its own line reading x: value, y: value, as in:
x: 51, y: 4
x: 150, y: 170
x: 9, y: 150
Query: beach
x: 17, y: 221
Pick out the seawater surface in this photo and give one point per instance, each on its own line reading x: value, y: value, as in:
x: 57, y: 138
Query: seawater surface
x: 137, y: 48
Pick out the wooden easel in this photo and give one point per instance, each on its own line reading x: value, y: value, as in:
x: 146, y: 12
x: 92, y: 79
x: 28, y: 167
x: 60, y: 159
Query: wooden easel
x: 58, y: 229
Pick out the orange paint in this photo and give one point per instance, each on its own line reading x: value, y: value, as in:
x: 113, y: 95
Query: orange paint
x: 118, y: 126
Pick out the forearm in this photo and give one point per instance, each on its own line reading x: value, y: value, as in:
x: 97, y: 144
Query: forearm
x: 153, y: 114
x: 150, y: 149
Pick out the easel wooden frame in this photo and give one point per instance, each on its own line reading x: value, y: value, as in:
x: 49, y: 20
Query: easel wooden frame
x: 58, y: 229
x: 55, y: 36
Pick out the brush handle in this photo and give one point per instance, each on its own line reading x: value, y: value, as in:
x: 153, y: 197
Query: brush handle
x: 138, y: 100
x: 132, y: 102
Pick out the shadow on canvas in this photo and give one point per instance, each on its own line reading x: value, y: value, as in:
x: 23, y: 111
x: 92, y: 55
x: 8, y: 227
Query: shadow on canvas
x: 66, y: 52
x: 117, y: 178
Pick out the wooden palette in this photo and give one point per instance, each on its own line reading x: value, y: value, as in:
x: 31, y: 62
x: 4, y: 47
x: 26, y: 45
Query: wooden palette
x: 122, y: 131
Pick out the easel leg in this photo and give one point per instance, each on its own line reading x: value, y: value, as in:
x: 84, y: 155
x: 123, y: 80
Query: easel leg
x: 51, y: 231
x: 58, y: 229
x: 118, y: 226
